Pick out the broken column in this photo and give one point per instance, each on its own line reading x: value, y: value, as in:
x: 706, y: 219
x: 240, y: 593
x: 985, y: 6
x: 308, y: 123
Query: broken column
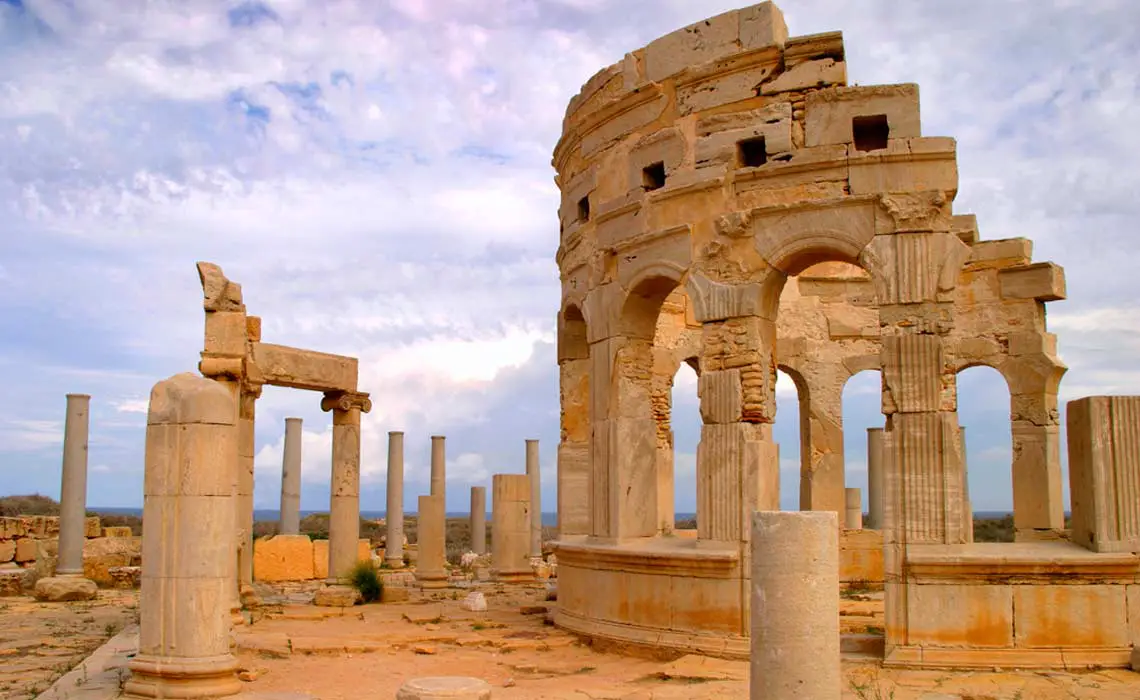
x: 510, y: 528
x: 853, y: 500
x: 431, y: 529
x: 394, y: 515
x: 344, y: 502
x: 533, y: 473
x: 795, y: 606
x: 875, y: 478
x: 188, y: 564
x: 438, y: 466
x: 291, y: 479
x: 68, y: 582
x: 479, y: 519
x: 445, y: 688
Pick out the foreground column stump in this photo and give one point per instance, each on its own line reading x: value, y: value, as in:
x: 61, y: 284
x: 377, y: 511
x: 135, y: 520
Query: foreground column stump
x: 431, y: 526
x: 188, y: 523
x: 445, y: 688
x: 69, y: 582
x: 510, y: 528
x: 795, y: 606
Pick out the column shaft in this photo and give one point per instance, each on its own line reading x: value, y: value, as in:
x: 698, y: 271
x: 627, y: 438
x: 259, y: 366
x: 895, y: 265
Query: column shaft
x: 479, y: 519
x: 510, y: 527
x: 291, y: 479
x: 533, y: 473
x: 853, y: 516
x: 438, y: 466
x: 73, y: 489
x: 431, y: 538
x: 244, y: 501
x: 344, y: 505
x: 394, y: 516
x: 875, y: 478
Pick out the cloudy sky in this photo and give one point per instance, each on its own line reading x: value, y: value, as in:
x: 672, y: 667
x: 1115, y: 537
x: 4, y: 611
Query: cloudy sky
x: 377, y: 177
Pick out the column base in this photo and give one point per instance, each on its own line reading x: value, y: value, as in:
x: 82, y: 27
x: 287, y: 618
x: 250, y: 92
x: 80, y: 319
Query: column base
x: 432, y: 579
x: 58, y: 589
x: 513, y: 576
x: 394, y: 563
x: 167, y: 677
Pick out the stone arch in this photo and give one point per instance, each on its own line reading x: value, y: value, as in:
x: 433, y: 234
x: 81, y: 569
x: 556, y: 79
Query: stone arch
x: 574, y: 490
x: 642, y: 303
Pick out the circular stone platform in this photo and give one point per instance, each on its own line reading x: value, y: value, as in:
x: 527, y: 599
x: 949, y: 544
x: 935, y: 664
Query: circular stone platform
x: 445, y: 688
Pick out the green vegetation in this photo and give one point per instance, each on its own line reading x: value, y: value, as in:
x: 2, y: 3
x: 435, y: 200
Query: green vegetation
x: 34, y: 504
x: 365, y: 579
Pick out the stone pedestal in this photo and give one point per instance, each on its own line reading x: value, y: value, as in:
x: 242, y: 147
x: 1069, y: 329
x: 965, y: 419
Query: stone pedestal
x: 510, y: 528
x: 344, y: 505
x: 291, y: 479
x: 445, y: 688
x: 853, y: 502
x: 431, y: 526
x: 394, y: 515
x: 875, y: 478
x: 795, y: 606
x: 438, y: 466
x: 479, y: 519
x: 188, y: 524
x: 532, y: 472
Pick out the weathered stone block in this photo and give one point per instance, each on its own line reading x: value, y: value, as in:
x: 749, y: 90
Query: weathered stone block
x: 284, y: 558
x: 820, y: 73
x: 25, y: 550
x: 116, y: 532
x: 12, y: 582
x: 960, y: 616
x: 305, y: 369
x: 68, y: 588
x: 1103, y: 439
x: 92, y: 527
x: 762, y: 25
x: 11, y: 528
x: 830, y: 112
x: 1041, y: 281
x: 336, y: 597
x: 102, y: 554
x: 7, y: 550
x: 700, y: 42
x: 395, y: 594
x: 126, y: 577
x: 1071, y: 616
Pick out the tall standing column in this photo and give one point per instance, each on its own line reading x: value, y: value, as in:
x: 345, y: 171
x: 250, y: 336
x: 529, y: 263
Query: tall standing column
x: 247, y: 404
x: 510, y: 528
x: 394, y: 515
x: 967, y: 504
x: 291, y: 479
x: 795, y: 606
x: 73, y: 490
x: 533, y: 473
x: 479, y: 519
x: 431, y: 538
x: 875, y: 478
x: 188, y: 564
x: 344, y: 502
x: 438, y: 466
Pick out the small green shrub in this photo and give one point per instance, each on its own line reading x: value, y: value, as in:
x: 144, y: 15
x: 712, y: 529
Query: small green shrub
x: 366, y: 579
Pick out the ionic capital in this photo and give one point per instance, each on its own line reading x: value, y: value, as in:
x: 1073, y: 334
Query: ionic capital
x: 345, y: 401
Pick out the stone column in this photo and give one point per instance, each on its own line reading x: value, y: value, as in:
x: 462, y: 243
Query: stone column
x: 535, y: 476
x: 247, y: 403
x: 69, y: 583
x: 874, y: 478
x: 394, y: 515
x: 795, y: 606
x: 510, y: 528
x: 291, y: 479
x: 188, y: 522
x: 479, y: 519
x: 967, y: 505
x: 344, y: 501
x: 821, y: 411
x: 431, y: 529
x: 438, y: 466
x: 853, y: 517
x: 574, y: 461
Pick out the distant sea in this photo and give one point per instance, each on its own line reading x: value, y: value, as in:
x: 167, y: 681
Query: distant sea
x: 548, y: 519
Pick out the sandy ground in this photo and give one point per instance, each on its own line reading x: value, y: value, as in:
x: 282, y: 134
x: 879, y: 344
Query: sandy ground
x: 370, y: 650
x: 39, y: 642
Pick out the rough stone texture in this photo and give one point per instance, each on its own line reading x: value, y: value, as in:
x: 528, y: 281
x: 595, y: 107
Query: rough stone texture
x: 510, y: 527
x: 290, y: 523
x: 65, y: 588
x: 1104, y: 472
x: 431, y: 526
x: 73, y: 490
x: 394, y: 516
x: 479, y: 519
x: 534, y: 473
x: 284, y: 558
x: 336, y: 597
x: 445, y: 688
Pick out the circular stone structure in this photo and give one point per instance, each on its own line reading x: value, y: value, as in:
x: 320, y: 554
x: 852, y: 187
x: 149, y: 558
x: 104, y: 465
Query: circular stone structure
x: 723, y: 187
x: 445, y: 688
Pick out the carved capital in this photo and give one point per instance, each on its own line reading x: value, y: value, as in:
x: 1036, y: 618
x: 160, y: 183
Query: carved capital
x: 919, y: 211
x: 737, y: 224
x: 345, y: 401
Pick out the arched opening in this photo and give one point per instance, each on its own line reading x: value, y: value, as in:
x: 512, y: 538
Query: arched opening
x: 862, y: 410
x: 984, y: 415
x: 686, y: 422
x: 574, y: 477
x: 789, y: 433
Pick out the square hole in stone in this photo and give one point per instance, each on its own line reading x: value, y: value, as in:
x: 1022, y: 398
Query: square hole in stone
x: 653, y: 176
x: 584, y: 208
x: 871, y: 133
x: 753, y: 152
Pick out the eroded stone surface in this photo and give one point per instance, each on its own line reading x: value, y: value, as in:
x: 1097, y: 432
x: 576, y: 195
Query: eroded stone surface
x: 65, y: 589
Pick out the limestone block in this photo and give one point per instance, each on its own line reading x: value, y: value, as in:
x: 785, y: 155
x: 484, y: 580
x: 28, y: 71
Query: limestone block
x: 92, y: 527
x: 897, y: 168
x: 285, y: 558
x: 721, y: 88
x: 1006, y: 252
x: 619, y: 125
x: 226, y: 333
x: 811, y: 47
x: 704, y: 41
x: 395, y: 594
x: 102, y: 554
x: 305, y: 369
x: 861, y: 556
x: 762, y: 25
x: 444, y: 688
x: 665, y: 146
x: 594, y: 87
x: 125, y: 576
x: 40, y: 526
x: 321, y: 559
x: 116, y: 532
x: 7, y: 550
x: 65, y: 588
x: 721, y: 396
x: 830, y: 112
x: 1041, y: 281
x: 1103, y: 440
x: 722, y: 147
x: 11, y: 528
x: 336, y: 597
x: 474, y: 602
x: 1071, y: 616
x: 824, y: 72
x: 12, y: 582
x: 25, y: 550
x: 960, y: 616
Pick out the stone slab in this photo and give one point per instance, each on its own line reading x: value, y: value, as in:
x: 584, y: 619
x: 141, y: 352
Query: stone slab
x: 65, y: 588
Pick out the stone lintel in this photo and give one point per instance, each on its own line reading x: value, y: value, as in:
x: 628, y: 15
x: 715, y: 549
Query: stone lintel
x: 305, y: 369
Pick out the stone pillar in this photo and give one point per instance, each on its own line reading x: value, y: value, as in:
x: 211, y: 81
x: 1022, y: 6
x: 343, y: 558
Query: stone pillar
x: 510, y: 528
x: 438, y: 466
x: 821, y: 418
x: 479, y: 519
x: 344, y: 501
x: 967, y: 504
x: 874, y: 478
x: 291, y: 479
x: 188, y: 523
x: 1104, y: 473
x: 247, y: 404
x: 69, y: 583
x: 795, y: 606
x: 853, y: 517
x: 394, y: 515
x: 431, y: 529
x: 533, y: 473
x: 73, y: 490
x: 574, y: 483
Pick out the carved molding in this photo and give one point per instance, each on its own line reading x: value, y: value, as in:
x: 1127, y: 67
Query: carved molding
x: 345, y: 401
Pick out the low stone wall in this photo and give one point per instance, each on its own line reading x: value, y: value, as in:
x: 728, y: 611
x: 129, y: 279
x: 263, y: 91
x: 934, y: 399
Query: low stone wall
x: 29, y: 547
x: 296, y: 558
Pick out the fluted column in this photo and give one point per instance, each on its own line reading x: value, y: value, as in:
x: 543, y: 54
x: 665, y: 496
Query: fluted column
x: 394, y: 515
x: 291, y: 479
x: 344, y: 505
x: 534, y: 474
